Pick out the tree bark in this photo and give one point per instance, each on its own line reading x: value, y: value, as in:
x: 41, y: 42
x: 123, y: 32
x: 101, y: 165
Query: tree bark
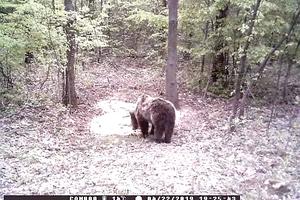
x: 75, y: 5
x: 275, y: 92
x: 205, y: 38
x: 288, y: 72
x: 286, y: 80
x: 69, y: 93
x: 171, y: 84
x: 243, y: 60
x: 219, y: 61
x: 101, y: 5
x: 53, y: 5
x: 92, y: 5
x: 7, y: 80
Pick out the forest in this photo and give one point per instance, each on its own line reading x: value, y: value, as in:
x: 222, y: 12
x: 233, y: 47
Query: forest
x: 73, y: 71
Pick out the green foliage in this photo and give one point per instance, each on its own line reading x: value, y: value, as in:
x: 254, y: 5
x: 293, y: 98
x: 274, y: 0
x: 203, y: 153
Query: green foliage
x: 137, y: 28
x: 34, y: 26
x: 154, y: 20
x: 198, y: 35
x: 90, y: 32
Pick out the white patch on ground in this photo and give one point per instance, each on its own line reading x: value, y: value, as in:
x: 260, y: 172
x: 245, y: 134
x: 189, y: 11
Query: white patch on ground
x: 115, y: 120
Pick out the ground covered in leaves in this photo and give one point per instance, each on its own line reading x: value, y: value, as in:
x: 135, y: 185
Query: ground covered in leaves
x: 93, y: 150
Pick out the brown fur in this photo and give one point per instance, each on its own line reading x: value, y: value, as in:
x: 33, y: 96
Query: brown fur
x: 159, y: 113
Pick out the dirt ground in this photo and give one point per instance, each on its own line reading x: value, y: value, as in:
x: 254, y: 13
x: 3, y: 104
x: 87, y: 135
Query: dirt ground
x: 93, y: 150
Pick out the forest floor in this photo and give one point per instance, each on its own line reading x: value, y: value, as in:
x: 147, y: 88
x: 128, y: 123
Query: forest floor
x: 93, y: 150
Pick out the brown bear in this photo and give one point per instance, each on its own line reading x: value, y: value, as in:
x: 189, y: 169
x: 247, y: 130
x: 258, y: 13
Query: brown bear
x: 159, y: 113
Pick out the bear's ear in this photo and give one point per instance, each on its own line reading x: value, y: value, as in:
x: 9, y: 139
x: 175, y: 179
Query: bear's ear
x: 144, y: 97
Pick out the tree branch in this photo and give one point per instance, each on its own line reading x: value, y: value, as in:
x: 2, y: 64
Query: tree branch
x: 284, y: 38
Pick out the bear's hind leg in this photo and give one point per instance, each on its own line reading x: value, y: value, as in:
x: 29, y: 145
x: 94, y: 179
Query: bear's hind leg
x: 158, y: 133
x: 152, y: 129
x: 168, y: 134
x: 144, y: 127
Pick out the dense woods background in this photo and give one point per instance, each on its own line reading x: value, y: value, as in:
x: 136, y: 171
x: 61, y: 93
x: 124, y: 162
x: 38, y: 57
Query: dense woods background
x: 70, y: 71
x: 226, y: 47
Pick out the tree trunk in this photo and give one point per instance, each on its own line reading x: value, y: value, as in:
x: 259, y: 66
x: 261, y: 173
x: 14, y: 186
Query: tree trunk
x: 219, y: 61
x: 171, y: 84
x: 81, y: 4
x: 286, y: 80
x: 243, y: 60
x: 205, y: 38
x: 53, y: 6
x: 75, y: 5
x: 288, y: 72
x: 92, y: 5
x: 275, y: 93
x: 69, y: 93
x: 7, y: 80
x: 101, y: 5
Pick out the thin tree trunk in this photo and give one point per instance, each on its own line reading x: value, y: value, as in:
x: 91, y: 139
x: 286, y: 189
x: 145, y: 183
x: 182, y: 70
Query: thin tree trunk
x: 219, y: 62
x: 243, y: 60
x: 205, y: 38
x: 75, y: 5
x: 58, y: 63
x: 7, y: 81
x: 171, y: 84
x: 235, y: 48
x: 53, y: 6
x: 92, y: 5
x: 164, y: 3
x: 69, y: 96
x: 209, y: 80
x: 275, y: 92
x: 202, y: 64
x: 101, y: 5
x: 288, y: 72
x: 286, y: 80
x: 242, y: 67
